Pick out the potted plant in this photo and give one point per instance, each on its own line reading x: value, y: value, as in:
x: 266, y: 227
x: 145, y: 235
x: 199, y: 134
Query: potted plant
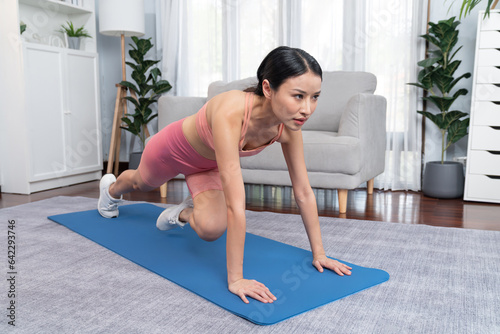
x: 148, y: 88
x: 74, y: 35
x: 443, y: 179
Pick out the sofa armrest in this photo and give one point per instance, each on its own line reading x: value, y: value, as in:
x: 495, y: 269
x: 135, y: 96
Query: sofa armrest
x: 365, y: 118
x: 174, y: 108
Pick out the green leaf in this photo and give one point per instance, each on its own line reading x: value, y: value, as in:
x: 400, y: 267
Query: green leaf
x: 147, y: 64
x: 441, y: 80
x: 134, y: 101
x: 418, y: 85
x: 453, y: 55
x: 451, y: 117
x: 161, y: 87
x: 422, y: 74
x: 425, y: 77
x: 459, y: 92
x: 139, y: 78
x: 151, y: 118
x: 132, y: 65
x: 436, y: 119
x: 435, y: 53
x: 147, y: 112
x: 431, y: 39
x: 454, y: 82
x: 457, y: 130
x: 137, y: 128
x: 145, y: 102
x: 449, y: 41
x: 136, y: 55
x: 130, y: 126
x: 438, y: 30
x: 452, y: 67
x: 144, y: 45
x: 129, y: 85
x: 428, y: 62
x: 127, y: 121
x: 442, y: 102
x: 146, y: 89
x: 444, y: 121
x: 140, y: 69
x: 155, y: 73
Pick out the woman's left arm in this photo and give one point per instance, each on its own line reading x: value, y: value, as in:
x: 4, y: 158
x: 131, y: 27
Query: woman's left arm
x: 293, y: 151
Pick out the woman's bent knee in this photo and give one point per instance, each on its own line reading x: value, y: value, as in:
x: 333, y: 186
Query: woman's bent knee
x: 211, y: 229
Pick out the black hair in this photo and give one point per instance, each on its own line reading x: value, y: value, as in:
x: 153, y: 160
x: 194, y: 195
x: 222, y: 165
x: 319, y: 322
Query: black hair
x: 282, y: 63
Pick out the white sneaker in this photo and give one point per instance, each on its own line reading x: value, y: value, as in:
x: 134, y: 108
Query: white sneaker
x: 107, y: 205
x: 169, y: 218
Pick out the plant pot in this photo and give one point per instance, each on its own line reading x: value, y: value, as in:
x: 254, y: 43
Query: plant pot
x: 134, y: 160
x: 74, y: 43
x: 443, y: 180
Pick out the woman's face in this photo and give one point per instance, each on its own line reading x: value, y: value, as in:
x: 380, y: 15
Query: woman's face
x: 296, y: 99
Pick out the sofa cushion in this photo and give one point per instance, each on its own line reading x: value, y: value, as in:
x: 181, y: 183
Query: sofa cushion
x: 324, y: 151
x: 338, y: 88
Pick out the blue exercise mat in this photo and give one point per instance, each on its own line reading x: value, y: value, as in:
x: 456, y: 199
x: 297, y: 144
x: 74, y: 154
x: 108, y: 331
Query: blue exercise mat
x: 180, y: 256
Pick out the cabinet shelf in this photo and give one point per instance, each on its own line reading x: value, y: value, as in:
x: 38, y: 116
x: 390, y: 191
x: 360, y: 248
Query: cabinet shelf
x: 57, y: 6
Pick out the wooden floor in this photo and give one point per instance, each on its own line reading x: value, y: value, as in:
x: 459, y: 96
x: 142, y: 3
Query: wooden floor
x: 390, y: 206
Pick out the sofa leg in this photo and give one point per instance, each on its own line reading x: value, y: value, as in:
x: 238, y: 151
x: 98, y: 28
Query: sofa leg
x: 342, y: 194
x: 163, y: 190
x: 369, y: 187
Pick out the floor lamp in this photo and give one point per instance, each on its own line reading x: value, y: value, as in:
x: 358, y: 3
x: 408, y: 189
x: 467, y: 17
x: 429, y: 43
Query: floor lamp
x: 123, y: 18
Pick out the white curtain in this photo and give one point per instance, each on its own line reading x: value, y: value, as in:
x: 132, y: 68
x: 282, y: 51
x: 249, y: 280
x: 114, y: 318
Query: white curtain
x: 393, y: 48
x: 207, y: 40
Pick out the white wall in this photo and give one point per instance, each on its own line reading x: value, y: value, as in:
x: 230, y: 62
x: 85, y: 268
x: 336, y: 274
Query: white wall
x: 441, y: 10
x: 110, y: 74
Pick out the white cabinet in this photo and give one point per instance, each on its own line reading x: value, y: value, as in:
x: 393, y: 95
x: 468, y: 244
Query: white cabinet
x: 50, y: 134
x: 482, y: 182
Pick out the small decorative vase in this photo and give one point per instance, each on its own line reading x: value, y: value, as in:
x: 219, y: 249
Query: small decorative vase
x: 134, y: 160
x: 443, y: 180
x: 74, y: 43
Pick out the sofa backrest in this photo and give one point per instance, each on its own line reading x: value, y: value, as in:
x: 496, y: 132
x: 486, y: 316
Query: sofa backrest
x: 337, y: 88
x: 173, y: 108
x: 217, y: 87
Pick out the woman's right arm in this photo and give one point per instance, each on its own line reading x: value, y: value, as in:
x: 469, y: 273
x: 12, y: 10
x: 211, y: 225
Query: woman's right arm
x: 226, y: 120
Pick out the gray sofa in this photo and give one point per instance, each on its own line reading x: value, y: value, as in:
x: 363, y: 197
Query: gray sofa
x: 344, y: 140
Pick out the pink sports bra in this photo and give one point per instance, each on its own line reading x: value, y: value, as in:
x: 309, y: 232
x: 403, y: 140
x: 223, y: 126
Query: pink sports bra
x: 205, y: 132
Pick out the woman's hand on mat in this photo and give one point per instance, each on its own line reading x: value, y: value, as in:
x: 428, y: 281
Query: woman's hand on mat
x: 321, y: 262
x: 251, y: 288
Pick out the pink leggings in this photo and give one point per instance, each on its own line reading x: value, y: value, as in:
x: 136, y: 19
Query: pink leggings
x: 168, y: 153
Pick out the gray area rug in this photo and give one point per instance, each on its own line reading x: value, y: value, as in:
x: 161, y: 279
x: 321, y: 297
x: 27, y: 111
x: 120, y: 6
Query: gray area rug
x: 443, y: 280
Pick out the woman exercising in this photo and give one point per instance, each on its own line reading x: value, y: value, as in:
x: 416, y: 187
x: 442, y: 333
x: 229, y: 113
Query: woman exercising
x: 206, y: 148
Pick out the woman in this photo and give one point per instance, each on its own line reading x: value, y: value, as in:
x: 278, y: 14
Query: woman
x: 206, y: 147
